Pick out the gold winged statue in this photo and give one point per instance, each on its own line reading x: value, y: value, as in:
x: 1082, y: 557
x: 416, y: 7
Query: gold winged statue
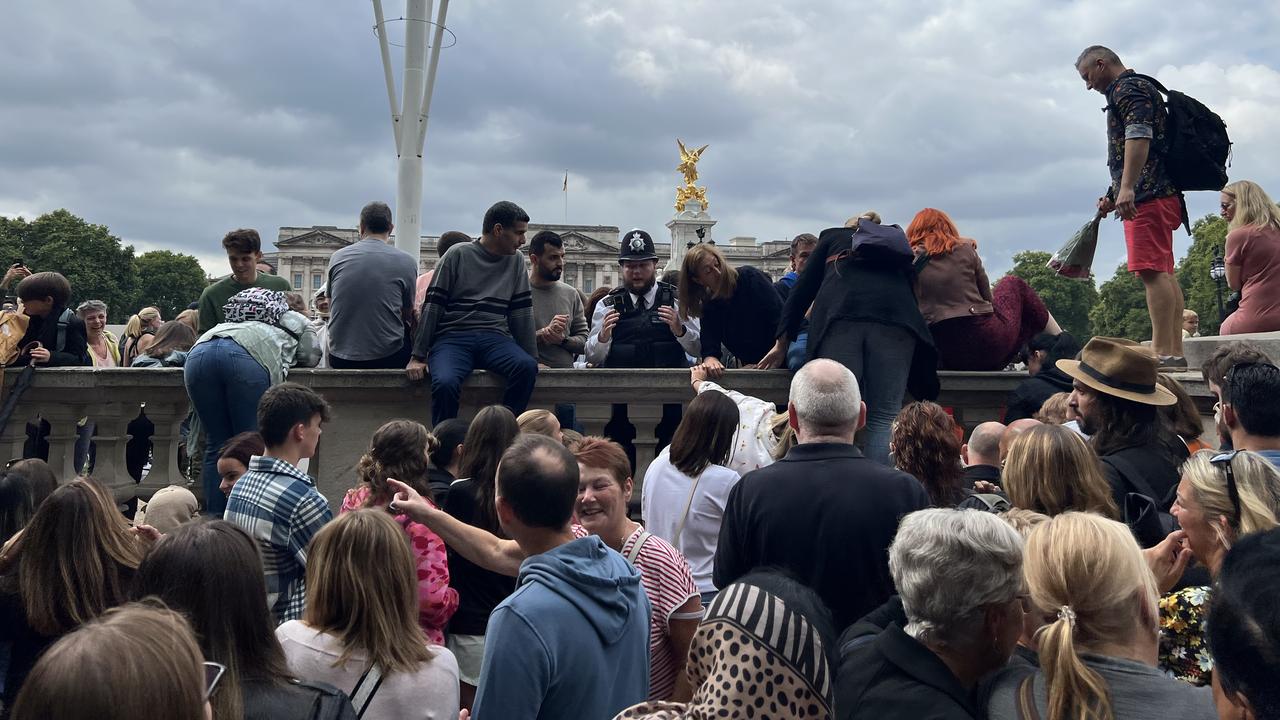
x: 688, y: 167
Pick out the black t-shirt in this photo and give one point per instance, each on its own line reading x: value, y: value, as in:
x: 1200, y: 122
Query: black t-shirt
x: 479, y: 590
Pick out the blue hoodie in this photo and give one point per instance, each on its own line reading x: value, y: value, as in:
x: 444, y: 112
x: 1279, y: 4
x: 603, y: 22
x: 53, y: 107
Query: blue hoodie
x: 571, y: 642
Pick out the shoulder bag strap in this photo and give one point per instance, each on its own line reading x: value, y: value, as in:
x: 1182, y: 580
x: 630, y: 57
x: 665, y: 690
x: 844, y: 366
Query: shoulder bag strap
x: 634, y: 552
x: 675, y: 539
x: 366, y: 687
x: 1027, y: 699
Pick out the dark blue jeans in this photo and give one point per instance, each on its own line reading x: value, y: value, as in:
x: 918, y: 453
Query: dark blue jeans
x: 879, y: 356
x: 455, y: 355
x: 798, y: 351
x: 225, y: 384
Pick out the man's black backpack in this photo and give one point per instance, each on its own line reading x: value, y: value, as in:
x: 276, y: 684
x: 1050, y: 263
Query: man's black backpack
x: 1196, y: 148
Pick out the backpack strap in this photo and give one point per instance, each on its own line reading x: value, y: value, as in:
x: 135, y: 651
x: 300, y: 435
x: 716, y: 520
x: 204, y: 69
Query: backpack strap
x: 1027, y: 709
x: 63, y: 321
x: 634, y: 552
x: 1132, y: 475
x: 366, y: 687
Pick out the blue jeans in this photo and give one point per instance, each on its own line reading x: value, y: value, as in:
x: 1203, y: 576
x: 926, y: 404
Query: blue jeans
x: 797, y: 351
x: 225, y: 384
x: 879, y: 356
x: 455, y: 355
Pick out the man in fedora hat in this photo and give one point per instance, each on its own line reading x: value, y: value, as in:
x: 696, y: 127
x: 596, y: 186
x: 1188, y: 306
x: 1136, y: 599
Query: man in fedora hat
x: 1117, y: 398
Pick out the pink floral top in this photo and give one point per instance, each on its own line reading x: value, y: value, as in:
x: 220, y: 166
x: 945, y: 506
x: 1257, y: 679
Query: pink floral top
x: 437, y: 601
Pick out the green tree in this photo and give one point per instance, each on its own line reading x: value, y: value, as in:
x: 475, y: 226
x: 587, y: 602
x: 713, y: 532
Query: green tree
x: 1121, y: 310
x: 1069, y: 300
x: 169, y: 281
x: 1210, y: 233
x: 93, y: 259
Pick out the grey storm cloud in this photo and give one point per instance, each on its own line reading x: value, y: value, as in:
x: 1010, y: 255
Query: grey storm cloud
x: 173, y: 122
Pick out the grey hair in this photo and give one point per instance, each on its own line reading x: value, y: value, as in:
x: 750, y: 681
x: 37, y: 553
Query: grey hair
x: 91, y: 306
x: 947, y: 565
x: 825, y: 396
x: 1097, y: 52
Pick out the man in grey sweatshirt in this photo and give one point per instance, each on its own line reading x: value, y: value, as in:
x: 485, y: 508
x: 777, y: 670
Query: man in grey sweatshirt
x: 479, y: 315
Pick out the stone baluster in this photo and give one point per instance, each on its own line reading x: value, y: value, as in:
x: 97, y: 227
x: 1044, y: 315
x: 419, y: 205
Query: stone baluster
x: 594, y: 416
x: 63, y: 418
x: 644, y: 417
x: 166, y: 413
x: 109, y: 441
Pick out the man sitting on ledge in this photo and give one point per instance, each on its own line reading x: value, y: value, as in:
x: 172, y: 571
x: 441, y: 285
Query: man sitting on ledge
x: 479, y: 314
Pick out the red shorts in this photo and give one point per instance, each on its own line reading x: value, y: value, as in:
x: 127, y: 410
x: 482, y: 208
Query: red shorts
x: 1149, y: 236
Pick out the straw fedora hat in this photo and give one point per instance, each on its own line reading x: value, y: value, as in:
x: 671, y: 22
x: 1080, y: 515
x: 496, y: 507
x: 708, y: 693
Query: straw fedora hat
x: 1120, y: 368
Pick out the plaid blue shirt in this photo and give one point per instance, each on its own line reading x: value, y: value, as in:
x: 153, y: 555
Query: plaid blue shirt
x: 280, y: 507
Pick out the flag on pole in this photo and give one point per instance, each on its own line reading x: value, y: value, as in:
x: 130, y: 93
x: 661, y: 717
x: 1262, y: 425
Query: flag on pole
x: 566, y: 182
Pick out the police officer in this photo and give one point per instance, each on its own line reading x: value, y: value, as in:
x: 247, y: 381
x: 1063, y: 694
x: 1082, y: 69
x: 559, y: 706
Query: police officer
x: 638, y: 325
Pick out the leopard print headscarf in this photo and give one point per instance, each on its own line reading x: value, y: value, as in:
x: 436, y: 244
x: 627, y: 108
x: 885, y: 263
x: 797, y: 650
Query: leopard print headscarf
x: 754, y: 657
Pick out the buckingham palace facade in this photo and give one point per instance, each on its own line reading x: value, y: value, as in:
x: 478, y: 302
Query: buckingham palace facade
x: 590, y: 254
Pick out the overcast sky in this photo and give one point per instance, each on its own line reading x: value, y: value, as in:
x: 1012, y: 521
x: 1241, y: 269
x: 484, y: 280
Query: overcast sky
x: 172, y: 122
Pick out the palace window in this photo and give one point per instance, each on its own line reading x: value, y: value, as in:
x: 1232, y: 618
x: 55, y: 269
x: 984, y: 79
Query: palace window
x: 297, y: 281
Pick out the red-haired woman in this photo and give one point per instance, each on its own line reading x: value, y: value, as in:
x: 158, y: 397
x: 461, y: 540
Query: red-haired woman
x: 973, y: 328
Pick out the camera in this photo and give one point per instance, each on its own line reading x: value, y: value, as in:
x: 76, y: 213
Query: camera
x: 613, y: 302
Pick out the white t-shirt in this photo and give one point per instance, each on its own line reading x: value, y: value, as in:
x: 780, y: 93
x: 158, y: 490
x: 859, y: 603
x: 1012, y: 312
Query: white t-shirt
x: 663, y: 499
x: 431, y: 693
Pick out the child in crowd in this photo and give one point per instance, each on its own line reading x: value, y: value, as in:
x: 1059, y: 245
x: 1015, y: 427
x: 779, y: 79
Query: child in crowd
x: 56, y: 337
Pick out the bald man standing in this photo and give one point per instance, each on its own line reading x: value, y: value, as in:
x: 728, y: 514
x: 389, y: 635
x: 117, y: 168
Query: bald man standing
x: 981, y: 455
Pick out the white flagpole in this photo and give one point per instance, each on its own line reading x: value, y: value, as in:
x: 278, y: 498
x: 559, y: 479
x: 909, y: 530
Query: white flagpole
x: 409, y: 180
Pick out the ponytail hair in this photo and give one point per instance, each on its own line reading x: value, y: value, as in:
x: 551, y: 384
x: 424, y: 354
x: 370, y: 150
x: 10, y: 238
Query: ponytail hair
x: 397, y: 450
x: 1090, y: 572
x: 146, y: 315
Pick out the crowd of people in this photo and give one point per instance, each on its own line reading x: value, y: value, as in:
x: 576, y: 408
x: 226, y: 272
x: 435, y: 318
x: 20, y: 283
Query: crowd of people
x: 492, y: 568
x: 843, y: 556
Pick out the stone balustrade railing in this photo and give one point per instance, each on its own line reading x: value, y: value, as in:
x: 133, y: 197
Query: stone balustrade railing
x: 364, y: 399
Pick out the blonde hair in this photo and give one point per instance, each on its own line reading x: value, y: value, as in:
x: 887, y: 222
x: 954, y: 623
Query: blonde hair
x: 538, y: 422
x: 781, y: 429
x: 1024, y: 521
x: 145, y: 316
x: 692, y: 296
x: 134, y: 661
x: 1051, y: 470
x: 1091, y: 572
x: 1257, y: 484
x: 190, y: 317
x: 1055, y: 410
x: 1253, y: 206
x: 362, y: 588
x: 871, y: 215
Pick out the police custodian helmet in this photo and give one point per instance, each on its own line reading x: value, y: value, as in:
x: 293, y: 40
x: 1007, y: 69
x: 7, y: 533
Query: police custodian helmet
x: 636, y: 245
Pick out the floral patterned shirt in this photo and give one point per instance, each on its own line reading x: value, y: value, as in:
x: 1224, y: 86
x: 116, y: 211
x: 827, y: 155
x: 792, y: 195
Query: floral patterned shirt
x: 1136, y: 110
x: 437, y: 601
x: 1184, y: 651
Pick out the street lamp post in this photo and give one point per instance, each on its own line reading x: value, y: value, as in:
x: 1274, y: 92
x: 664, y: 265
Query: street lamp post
x: 1218, y: 271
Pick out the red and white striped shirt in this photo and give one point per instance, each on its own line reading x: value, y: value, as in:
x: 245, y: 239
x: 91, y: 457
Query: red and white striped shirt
x: 668, y: 582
